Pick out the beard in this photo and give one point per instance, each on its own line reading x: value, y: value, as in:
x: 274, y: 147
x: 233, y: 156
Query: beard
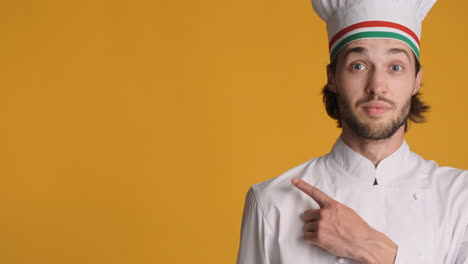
x: 373, y: 130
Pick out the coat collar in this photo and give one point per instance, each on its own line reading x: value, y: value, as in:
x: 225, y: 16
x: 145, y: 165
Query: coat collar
x: 386, y: 172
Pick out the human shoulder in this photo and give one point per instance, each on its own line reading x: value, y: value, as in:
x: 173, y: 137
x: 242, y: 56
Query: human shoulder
x: 439, y: 173
x: 449, y: 182
x: 451, y: 178
x: 279, y: 192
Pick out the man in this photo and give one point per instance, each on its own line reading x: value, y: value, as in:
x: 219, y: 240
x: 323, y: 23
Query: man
x: 370, y: 200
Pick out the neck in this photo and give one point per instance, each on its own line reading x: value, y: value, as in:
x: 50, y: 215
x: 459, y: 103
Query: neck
x: 373, y: 150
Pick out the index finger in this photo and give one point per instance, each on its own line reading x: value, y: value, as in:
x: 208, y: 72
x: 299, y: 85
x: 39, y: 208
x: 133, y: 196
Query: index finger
x: 315, y: 193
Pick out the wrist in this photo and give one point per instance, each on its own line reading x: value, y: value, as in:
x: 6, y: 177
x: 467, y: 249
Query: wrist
x: 377, y: 249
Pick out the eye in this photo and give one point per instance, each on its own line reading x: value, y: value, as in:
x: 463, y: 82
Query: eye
x: 358, y: 66
x: 397, y: 68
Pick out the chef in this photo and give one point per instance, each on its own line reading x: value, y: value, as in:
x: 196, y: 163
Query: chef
x: 371, y: 199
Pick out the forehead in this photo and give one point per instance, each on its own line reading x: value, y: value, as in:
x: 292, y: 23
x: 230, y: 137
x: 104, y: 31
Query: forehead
x: 377, y: 47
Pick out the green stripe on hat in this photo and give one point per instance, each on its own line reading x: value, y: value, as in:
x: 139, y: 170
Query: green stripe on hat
x: 373, y: 34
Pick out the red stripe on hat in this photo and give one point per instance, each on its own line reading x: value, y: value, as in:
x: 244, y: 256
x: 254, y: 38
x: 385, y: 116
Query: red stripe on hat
x: 373, y: 24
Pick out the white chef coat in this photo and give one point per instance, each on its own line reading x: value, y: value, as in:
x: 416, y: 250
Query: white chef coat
x: 420, y: 206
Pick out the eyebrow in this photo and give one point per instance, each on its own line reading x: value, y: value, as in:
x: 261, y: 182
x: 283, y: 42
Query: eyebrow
x: 363, y: 51
x: 397, y: 50
x: 359, y: 50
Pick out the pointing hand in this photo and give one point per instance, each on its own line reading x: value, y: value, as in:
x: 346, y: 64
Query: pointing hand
x: 341, y: 231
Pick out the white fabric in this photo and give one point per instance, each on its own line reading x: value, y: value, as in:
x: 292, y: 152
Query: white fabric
x: 422, y: 207
x: 339, y: 14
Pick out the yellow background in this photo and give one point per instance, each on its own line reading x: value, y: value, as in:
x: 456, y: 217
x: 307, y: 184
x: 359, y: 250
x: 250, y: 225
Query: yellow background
x: 130, y: 131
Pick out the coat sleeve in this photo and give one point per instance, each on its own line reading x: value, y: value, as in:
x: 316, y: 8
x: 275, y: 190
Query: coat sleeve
x: 462, y: 256
x: 255, y: 241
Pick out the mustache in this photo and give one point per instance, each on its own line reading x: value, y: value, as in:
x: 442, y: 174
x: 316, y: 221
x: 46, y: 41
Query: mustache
x: 371, y: 98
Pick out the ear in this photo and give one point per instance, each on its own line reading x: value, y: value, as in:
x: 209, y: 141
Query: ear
x: 331, y: 85
x: 417, y: 84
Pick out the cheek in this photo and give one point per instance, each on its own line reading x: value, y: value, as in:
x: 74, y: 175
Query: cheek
x: 352, y: 83
x: 403, y: 88
x: 352, y: 90
x: 349, y: 98
x: 402, y: 98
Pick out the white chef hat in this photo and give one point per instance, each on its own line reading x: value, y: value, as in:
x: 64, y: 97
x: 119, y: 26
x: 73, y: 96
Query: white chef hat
x: 350, y: 20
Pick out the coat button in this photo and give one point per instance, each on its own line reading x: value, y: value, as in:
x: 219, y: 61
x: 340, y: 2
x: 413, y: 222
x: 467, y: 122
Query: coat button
x: 417, y: 196
x: 341, y: 260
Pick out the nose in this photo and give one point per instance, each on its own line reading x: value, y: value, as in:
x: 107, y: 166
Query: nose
x: 376, y: 82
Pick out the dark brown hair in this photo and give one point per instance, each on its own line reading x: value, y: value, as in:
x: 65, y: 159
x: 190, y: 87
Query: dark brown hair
x: 417, y: 111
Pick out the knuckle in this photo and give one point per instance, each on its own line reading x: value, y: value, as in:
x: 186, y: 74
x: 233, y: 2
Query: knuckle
x: 309, y: 215
x: 342, y: 209
x: 319, y: 236
x: 309, y: 212
x: 306, y: 215
x: 310, y: 237
x: 320, y: 225
x: 336, y: 205
x: 324, y: 214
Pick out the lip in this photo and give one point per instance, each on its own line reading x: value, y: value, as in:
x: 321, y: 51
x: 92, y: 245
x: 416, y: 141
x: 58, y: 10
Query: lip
x: 376, y: 108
